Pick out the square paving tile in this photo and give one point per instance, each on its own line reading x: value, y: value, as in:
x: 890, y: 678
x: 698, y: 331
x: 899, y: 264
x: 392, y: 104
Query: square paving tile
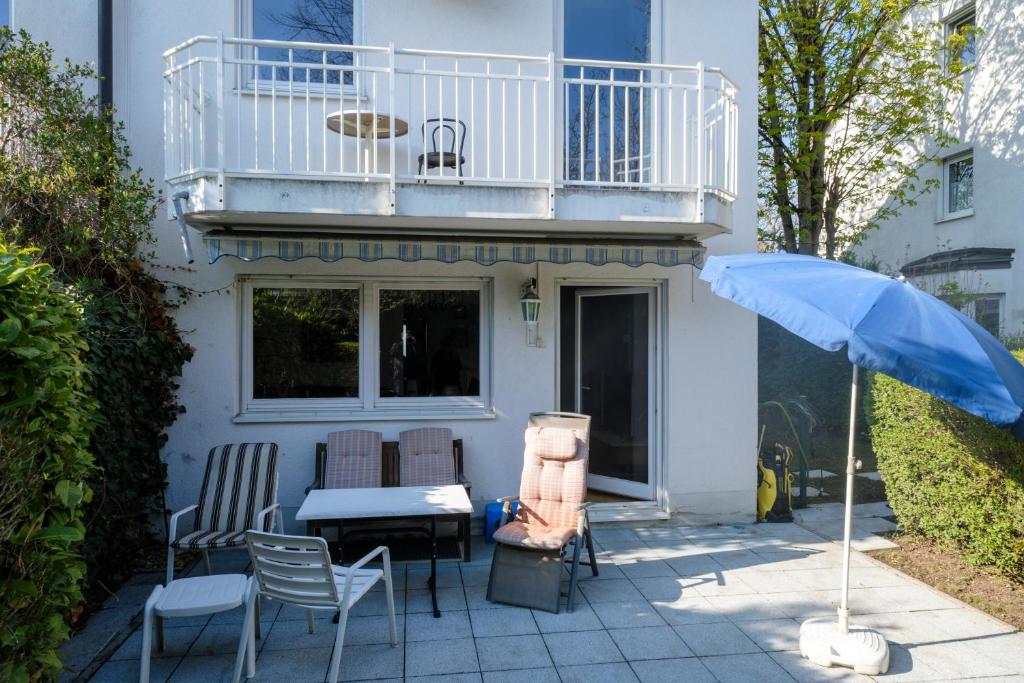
x: 447, y: 577
x: 295, y: 635
x: 690, y: 670
x: 745, y: 607
x: 473, y: 575
x: 694, y: 565
x: 654, y: 642
x: 631, y: 614
x: 806, y: 672
x: 582, y: 647
x: 423, y: 626
x: 430, y: 658
x: 665, y: 588
x: 773, y: 634
x: 741, y: 668
x: 597, y: 673
x: 646, y: 569
x: 716, y: 639
x: 548, y: 675
x: 612, y: 590
x: 502, y: 622
x: 205, y: 669
x: 219, y: 639
x: 373, y: 603
x: 177, y: 641
x: 692, y: 610
x: 582, y: 618
x: 118, y: 671
x: 371, y: 630
x: 448, y: 600
x: 511, y: 652
x: 369, y: 662
x: 305, y: 666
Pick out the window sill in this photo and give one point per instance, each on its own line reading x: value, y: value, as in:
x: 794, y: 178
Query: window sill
x: 365, y: 416
x: 955, y: 216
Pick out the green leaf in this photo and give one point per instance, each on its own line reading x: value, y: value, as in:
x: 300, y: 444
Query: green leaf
x: 59, y: 533
x: 10, y: 328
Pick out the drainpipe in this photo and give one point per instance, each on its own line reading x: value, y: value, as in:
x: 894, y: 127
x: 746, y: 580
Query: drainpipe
x: 179, y: 214
x: 105, y: 53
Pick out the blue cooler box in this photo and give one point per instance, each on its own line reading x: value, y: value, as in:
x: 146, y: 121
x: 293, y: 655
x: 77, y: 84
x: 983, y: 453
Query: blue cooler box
x: 492, y: 517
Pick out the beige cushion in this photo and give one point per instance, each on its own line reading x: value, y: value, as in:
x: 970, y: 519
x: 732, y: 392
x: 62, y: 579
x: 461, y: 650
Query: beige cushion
x: 534, y: 536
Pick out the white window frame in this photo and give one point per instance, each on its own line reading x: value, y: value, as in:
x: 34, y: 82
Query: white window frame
x: 369, y: 405
x: 243, y: 20
x: 956, y: 19
x: 946, y: 212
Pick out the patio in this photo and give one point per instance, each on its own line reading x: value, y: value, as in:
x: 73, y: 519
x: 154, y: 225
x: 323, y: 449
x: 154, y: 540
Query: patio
x: 671, y: 603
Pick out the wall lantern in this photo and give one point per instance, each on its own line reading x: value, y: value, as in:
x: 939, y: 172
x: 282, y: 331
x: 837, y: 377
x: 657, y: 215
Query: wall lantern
x: 530, y: 304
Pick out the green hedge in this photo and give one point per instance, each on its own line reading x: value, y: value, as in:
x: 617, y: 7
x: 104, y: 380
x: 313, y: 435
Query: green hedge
x: 46, y: 417
x: 949, y: 475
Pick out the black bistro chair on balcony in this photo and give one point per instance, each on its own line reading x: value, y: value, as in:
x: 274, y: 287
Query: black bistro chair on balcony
x: 447, y: 139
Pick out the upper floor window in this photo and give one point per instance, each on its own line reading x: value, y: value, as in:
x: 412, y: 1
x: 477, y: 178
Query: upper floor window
x: 311, y: 21
x: 962, y: 28
x: 958, y: 177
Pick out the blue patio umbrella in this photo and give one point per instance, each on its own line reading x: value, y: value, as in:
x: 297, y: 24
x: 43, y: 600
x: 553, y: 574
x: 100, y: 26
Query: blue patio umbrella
x: 887, y: 325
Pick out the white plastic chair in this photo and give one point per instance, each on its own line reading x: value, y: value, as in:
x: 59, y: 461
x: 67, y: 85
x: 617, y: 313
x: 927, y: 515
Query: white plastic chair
x: 297, y: 570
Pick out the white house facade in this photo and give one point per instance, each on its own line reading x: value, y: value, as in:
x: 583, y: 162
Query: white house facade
x: 367, y: 188
x: 968, y: 231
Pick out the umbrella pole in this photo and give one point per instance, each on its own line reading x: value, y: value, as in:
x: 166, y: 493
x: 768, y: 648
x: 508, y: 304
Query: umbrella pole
x: 851, y: 469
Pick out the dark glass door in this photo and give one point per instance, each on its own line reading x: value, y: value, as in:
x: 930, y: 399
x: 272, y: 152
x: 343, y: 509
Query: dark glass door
x: 614, y: 356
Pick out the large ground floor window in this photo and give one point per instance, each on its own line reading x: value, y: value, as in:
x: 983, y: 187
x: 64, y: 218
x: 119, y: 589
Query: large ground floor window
x: 334, y: 347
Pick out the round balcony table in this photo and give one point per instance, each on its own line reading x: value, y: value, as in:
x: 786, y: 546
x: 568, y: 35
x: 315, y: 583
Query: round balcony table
x: 364, y: 126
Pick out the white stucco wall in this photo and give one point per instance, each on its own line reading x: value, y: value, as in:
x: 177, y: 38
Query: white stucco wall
x: 711, y: 373
x: 990, y: 119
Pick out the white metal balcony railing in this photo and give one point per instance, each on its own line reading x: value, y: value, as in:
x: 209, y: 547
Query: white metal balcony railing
x: 258, y: 108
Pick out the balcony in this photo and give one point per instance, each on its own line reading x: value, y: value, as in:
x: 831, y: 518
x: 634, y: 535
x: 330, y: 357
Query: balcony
x: 552, y: 146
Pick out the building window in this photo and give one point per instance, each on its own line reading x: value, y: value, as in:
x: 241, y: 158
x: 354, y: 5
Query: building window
x: 429, y: 342
x: 313, y: 21
x: 361, y: 347
x: 987, y: 312
x: 958, y: 175
x: 5, y: 12
x: 963, y: 26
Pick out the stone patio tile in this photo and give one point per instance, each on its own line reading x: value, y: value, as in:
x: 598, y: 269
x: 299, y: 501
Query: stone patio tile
x: 606, y: 567
x: 218, y: 639
x: 904, y: 666
x: 448, y: 600
x: 295, y: 635
x: 772, y: 635
x: 370, y: 630
x: 654, y: 642
x: 177, y: 641
x: 613, y: 590
x: 690, y: 670
x: 206, y: 669
x: 632, y: 614
x: 268, y: 613
x: 692, y: 610
x: 295, y: 613
x: 423, y: 626
x: 447, y: 577
x: 665, y: 588
x: 694, y: 565
x: 502, y: 622
x: 910, y: 597
x: 646, y: 568
x: 740, y: 558
x: 806, y: 672
x: 582, y: 647
x: 740, y: 668
x: 300, y: 666
x: 615, y: 534
x: 512, y: 652
x: 597, y: 673
x: 875, y: 577
x: 548, y: 675
x: 781, y: 582
x: 804, y: 604
x: 369, y: 662
x: 582, y: 618
x: 476, y: 575
x: 716, y: 639
x: 721, y: 583
x: 118, y: 671
x: 739, y: 608
x: 476, y: 598
x: 959, y: 660
x: 447, y: 678
x: 372, y: 604
x: 441, y: 657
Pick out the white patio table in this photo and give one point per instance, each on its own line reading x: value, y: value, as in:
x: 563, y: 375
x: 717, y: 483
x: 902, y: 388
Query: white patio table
x: 435, y: 504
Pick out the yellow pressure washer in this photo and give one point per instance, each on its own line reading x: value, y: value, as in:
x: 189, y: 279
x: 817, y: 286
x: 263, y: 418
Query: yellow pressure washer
x: 774, y: 489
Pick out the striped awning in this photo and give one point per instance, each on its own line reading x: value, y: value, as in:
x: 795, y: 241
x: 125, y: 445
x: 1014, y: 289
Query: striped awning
x: 668, y: 253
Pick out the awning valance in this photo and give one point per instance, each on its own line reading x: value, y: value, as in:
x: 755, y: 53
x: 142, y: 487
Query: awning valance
x: 668, y: 253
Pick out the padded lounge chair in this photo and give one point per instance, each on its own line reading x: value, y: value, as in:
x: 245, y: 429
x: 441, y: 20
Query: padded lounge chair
x: 239, y: 493
x: 533, y: 548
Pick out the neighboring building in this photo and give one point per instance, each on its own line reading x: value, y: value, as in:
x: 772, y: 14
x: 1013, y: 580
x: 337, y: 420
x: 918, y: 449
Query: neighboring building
x: 968, y: 232
x: 346, y: 287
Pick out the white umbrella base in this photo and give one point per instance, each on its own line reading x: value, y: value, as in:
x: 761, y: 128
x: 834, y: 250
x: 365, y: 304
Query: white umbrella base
x: 861, y: 649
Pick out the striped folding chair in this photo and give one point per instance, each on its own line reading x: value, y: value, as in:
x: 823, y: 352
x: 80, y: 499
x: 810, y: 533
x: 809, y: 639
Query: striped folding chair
x: 239, y: 493
x: 426, y: 457
x: 353, y: 460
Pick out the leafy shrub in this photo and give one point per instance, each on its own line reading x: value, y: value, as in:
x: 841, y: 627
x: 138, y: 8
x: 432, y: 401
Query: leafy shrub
x: 46, y: 417
x: 67, y: 188
x: 949, y: 475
